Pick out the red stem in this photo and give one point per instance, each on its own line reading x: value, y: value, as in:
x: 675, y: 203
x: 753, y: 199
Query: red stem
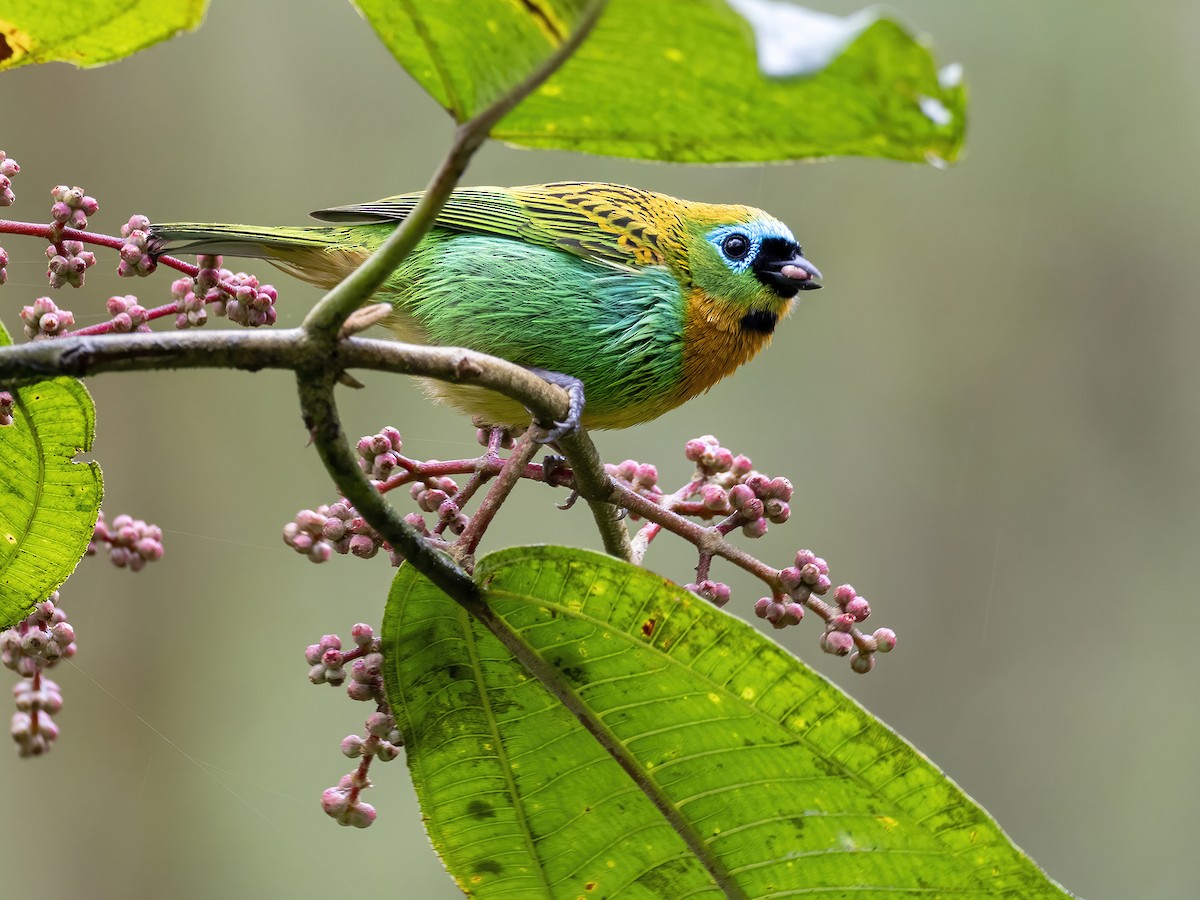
x: 32, y: 229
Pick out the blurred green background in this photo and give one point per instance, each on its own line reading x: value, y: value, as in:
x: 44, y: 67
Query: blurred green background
x: 990, y: 412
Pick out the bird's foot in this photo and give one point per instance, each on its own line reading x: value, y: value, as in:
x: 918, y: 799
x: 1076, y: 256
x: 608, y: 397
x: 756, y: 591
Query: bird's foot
x: 574, y: 388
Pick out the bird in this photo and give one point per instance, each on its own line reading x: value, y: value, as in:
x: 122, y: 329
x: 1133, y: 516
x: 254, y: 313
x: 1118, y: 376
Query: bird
x: 635, y: 301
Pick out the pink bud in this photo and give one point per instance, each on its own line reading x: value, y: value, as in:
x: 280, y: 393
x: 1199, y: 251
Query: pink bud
x: 714, y: 497
x: 843, y: 622
x: 334, y: 801
x: 859, y: 608
x: 837, y: 643
x: 362, y: 691
x: 361, y: 815
x: 885, y: 639
x: 333, y: 659
x: 363, y: 546
x: 755, y: 528
x: 844, y: 594
x: 740, y: 495
x: 862, y: 663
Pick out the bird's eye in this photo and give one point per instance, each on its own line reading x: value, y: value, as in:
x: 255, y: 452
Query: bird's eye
x: 736, y: 246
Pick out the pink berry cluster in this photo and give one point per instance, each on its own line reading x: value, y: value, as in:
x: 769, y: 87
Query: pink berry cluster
x: 438, y: 495
x: 249, y: 303
x: 842, y: 636
x: 192, y: 302
x: 726, y: 487
x: 328, y: 665
x: 72, y: 207
x: 237, y: 296
x: 136, y: 255
x: 336, y: 528
x: 131, y: 542
x: 68, y: 262
x: 640, y: 477
x: 6, y: 408
x: 8, y: 168
x: 729, y: 486
x: 716, y: 592
x: 29, y: 648
x: 44, y: 319
x: 712, y: 459
x: 67, y: 259
x: 127, y: 314
x: 810, y: 575
x: 379, y: 454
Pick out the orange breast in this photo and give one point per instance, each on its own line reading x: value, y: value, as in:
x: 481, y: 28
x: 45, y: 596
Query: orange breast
x: 714, y: 343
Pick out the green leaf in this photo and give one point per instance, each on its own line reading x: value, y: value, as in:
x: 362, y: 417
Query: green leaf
x: 89, y: 33
x: 466, y: 53
x: 48, y: 502
x: 777, y: 782
x: 687, y: 80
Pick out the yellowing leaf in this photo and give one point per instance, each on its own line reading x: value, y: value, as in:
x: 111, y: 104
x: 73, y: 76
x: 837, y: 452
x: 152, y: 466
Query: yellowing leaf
x: 91, y: 33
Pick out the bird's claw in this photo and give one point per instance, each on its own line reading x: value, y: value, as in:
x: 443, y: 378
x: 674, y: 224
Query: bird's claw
x: 574, y: 388
x: 559, y: 429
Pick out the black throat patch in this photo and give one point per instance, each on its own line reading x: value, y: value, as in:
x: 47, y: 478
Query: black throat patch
x: 760, y: 321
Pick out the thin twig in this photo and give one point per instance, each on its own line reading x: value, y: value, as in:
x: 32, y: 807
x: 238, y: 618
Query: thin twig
x: 510, y: 474
x: 706, y: 537
x: 641, y: 542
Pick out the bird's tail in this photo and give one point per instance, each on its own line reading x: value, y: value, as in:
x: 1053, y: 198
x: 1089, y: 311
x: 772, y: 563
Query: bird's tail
x: 320, y: 255
x: 238, y: 240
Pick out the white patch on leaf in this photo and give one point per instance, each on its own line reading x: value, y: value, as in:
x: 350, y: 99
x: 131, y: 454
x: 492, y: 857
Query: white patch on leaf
x: 950, y: 76
x: 793, y: 41
x: 935, y: 111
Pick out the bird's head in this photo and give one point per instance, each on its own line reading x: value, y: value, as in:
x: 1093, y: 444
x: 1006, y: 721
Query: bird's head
x: 753, y: 263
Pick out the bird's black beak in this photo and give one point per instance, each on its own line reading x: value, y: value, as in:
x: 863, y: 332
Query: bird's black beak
x: 788, y: 276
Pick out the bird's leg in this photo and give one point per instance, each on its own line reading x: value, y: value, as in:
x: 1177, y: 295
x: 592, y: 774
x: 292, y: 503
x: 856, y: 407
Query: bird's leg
x: 574, y: 388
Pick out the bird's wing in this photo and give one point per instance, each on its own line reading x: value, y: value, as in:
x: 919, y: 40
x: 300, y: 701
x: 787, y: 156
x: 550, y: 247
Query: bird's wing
x: 604, y: 223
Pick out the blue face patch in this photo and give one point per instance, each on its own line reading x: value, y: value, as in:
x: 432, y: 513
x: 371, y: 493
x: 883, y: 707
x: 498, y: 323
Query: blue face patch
x: 754, y: 233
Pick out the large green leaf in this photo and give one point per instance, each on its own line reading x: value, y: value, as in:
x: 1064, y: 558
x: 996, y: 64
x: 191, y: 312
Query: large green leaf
x: 687, y: 80
x: 89, y: 32
x: 48, y: 502
x: 777, y: 782
x: 466, y: 53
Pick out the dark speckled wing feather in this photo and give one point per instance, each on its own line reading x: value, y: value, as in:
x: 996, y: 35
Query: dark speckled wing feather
x: 605, y: 223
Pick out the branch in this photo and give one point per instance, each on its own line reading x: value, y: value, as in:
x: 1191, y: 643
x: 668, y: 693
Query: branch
x: 82, y: 356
